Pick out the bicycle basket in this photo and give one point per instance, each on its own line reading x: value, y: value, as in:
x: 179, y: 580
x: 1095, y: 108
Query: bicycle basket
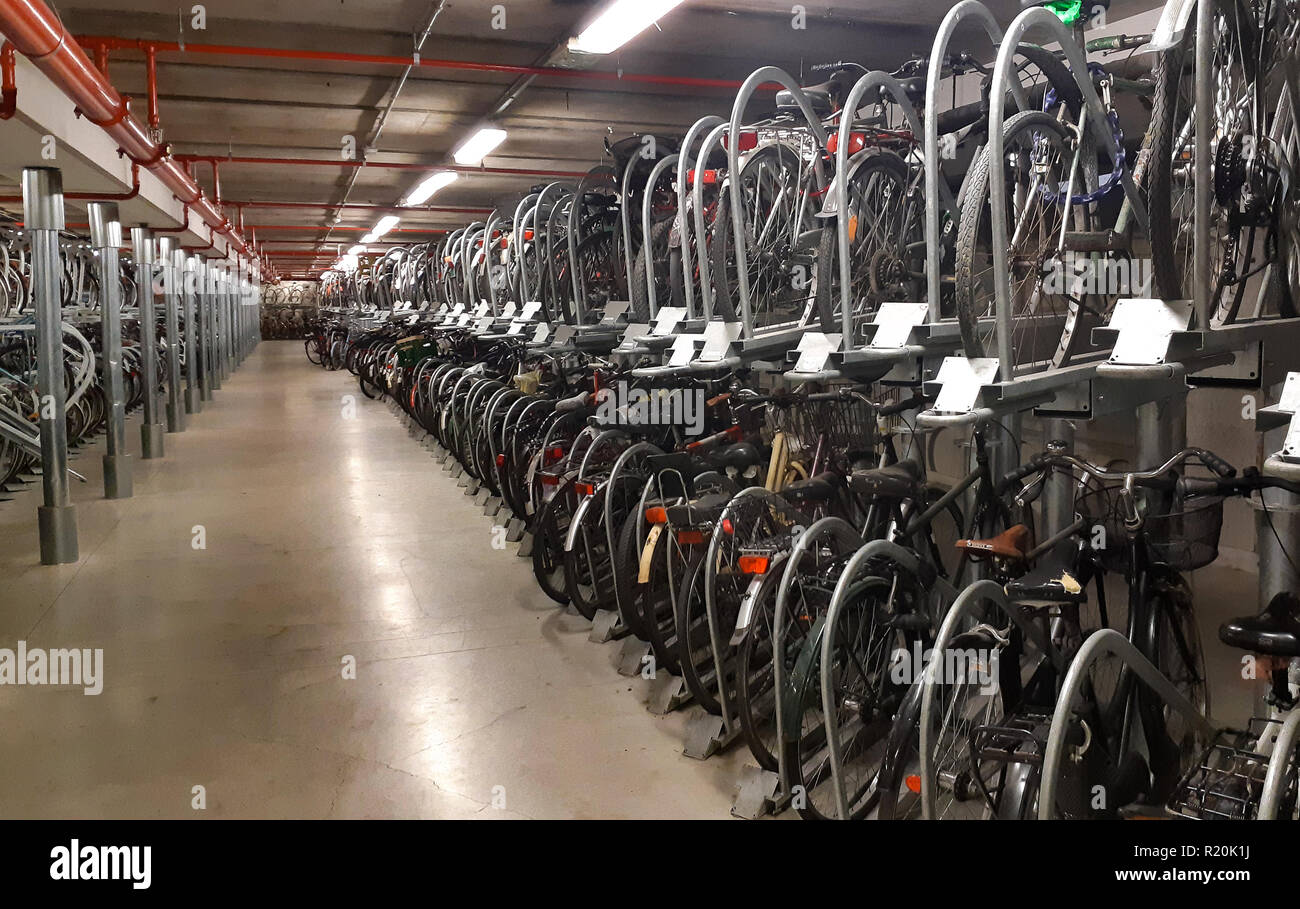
x: 1187, y: 539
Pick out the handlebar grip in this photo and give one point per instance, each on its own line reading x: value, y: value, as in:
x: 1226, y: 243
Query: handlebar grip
x: 890, y: 410
x: 1194, y: 486
x: 1216, y: 463
x: 1035, y: 464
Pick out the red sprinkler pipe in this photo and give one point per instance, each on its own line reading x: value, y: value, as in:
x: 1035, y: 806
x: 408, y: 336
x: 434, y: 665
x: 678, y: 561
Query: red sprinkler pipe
x: 280, y: 53
x: 393, y: 165
x: 38, y: 34
x: 9, y: 98
x: 363, y: 206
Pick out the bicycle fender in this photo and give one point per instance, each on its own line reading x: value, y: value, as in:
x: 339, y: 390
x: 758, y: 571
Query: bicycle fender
x: 648, y: 553
x: 576, y: 523
x: 749, y: 601
x: 829, y: 209
x: 1169, y: 31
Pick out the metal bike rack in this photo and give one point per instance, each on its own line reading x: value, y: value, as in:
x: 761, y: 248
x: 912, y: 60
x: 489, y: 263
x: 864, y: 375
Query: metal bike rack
x: 1046, y: 20
x: 43, y: 219
x: 684, y: 186
x: 151, y: 430
x: 466, y: 256
x: 977, y: 593
x: 1106, y: 642
x: 825, y: 528
x: 518, y: 242
x: 709, y: 733
x: 1275, y: 780
x: 759, y: 77
x: 966, y: 9
x: 193, y: 276
x: 493, y: 220
x: 601, y: 176
x: 705, y: 265
x: 941, y: 590
x: 559, y: 190
x: 172, y: 275
x: 878, y: 81
x: 106, y: 238
x: 647, y: 203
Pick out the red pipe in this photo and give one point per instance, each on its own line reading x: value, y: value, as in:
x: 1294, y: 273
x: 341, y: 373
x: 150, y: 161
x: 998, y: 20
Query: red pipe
x: 349, y: 228
x: 38, y: 34
x: 394, y: 165
x: 151, y: 74
x: 9, y: 96
x: 233, y: 50
x: 362, y: 206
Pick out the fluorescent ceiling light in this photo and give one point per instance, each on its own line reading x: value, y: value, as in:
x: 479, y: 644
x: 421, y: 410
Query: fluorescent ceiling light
x: 385, y: 224
x: 357, y: 250
x: 368, y: 238
x: 621, y: 21
x: 476, y: 147
x: 431, y: 185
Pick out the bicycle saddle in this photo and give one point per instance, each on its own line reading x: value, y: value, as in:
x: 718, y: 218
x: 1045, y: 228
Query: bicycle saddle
x: 703, y: 510
x: 819, y: 96
x: 1275, y: 631
x: 820, y: 488
x: 1011, y: 543
x: 740, y: 456
x: 1051, y: 582
x: 897, y: 481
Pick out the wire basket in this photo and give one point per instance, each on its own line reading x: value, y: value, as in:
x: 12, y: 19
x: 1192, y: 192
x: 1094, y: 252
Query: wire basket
x: 829, y: 429
x: 1188, y: 539
x: 1227, y: 783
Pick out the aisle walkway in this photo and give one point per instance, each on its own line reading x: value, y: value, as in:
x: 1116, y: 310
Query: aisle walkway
x: 326, y: 537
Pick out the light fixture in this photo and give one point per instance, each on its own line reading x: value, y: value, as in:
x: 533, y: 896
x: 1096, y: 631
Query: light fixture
x: 356, y: 250
x: 476, y: 147
x: 382, y: 226
x: 430, y: 185
x: 621, y: 21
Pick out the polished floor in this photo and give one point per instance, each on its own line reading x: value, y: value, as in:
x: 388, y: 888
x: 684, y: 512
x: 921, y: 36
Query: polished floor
x: 328, y: 533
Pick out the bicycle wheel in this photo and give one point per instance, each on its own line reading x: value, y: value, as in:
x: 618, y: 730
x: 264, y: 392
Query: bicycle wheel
x: 886, y: 225
x: 781, y: 241
x: 1254, y: 260
x: 1050, y: 323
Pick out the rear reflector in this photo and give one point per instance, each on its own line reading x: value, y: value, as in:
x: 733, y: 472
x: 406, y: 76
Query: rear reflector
x: 585, y: 489
x: 656, y: 515
x: 550, y: 479
x: 748, y: 140
x: 857, y: 142
x: 913, y: 783
x: 501, y: 460
x: 753, y: 564
x: 709, y: 177
x: 690, y: 537
x: 727, y: 526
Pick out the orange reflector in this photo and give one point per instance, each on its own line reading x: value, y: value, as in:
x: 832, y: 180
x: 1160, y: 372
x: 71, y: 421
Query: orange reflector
x: 727, y: 526
x: 501, y: 460
x: 554, y: 454
x: 690, y: 537
x: 585, y: 489
x: 913, y: 783
x: 748, y: 140
x: 753, y: 564
x: 550, y: 479
x: 857, y: 142
x: 656, y: 515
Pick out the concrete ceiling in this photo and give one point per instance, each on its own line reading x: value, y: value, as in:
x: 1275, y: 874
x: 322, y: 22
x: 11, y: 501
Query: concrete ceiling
x: 242, y: 105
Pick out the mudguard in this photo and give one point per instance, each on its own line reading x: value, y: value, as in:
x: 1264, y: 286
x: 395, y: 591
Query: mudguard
x: 1169, y: 31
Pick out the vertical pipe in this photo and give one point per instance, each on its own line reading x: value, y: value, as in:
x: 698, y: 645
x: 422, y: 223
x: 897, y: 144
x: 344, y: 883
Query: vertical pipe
x: 194, y: 395
x: 212, y: 328
x: 106, y: 239
x: 1204, y: 88
x: 151, y: 430
x: 43, y: 217
x: 1058, y: 496
x: 171, y: 263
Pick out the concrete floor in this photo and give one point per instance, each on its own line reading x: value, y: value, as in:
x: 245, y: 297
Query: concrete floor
x: 325, y: 537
